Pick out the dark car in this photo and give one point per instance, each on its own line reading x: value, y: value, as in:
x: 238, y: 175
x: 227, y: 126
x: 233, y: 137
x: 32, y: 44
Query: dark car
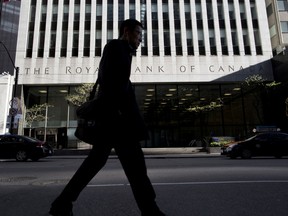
x: 23, y: 148
x: 263, y: 144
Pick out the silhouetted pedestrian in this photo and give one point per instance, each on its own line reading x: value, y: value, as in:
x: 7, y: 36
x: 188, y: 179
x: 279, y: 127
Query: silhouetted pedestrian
x: 122, y: 131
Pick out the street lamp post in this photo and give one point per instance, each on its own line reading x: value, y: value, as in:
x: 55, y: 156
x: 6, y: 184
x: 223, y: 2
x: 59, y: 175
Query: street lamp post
x: 14, y: 89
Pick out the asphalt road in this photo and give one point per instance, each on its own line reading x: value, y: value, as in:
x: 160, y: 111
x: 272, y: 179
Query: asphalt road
x: 185, y: 186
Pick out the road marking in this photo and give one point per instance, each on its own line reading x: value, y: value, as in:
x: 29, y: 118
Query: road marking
x: 195, y: 183
x: 107, y: 185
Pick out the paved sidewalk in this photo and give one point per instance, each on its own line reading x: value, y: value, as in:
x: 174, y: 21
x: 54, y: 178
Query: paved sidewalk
x: 172, y: 152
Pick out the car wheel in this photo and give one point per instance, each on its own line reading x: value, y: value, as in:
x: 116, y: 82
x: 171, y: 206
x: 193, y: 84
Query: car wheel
x: 246, y: 154
x: 233, y: 156
x: 35, y: 159
x: 21, y: 155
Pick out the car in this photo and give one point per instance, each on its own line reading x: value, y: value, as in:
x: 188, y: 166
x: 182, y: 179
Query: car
x: 23, y: 148
x: 223, y: 150
x: 262, y: 144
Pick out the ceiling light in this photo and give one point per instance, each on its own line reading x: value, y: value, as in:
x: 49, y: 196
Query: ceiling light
x: 169, y: 95
x: 150, y: 90
x: 227, y: 94
x: 42, y: 91
x: 188, y: 95
x: 237, y: 89
x: 172, y: 89
x: 63, y: 91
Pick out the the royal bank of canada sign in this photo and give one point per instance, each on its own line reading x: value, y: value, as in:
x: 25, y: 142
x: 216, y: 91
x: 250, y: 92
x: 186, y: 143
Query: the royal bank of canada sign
x: 149, y: 69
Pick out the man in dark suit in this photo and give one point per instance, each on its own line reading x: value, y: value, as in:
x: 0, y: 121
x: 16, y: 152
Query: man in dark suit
x: 122, y: 130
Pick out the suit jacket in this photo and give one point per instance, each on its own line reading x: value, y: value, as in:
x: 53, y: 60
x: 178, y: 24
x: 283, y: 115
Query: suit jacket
x: 116, y: 90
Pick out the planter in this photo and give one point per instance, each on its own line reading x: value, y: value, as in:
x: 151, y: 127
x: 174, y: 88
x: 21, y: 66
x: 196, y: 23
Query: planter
x: 211, y: 150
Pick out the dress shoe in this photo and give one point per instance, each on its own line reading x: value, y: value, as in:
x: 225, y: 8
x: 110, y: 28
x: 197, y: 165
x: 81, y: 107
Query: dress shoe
x: 61, y: 208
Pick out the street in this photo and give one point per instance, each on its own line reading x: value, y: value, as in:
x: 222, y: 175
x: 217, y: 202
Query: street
x: 185, y: 186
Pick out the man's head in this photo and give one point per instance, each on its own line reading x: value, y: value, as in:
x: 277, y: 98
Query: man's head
x: 131, y: 30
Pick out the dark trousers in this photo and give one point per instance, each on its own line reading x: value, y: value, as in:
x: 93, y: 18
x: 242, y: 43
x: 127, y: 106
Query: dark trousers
x: 132, y: 160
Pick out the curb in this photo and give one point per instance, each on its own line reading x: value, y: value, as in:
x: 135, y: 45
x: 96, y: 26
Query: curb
x: 167, y: 152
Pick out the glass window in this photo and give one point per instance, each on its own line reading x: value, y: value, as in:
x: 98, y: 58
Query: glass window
x: 198, y: 11
x: 166, y: 30
x: 31, y: 29
x: 201, y: 42
x: 42, y: 29
x: 282, y: 5
x: 178, y: 36
x: 110, y: 10
x: 86, y: 48
x: 98, y: 37
x: 235, y: 41
x: 209, y: 11
x: 231, y: 11
x: 230, y: 95
x: 98, y: 11
x: 64, y: 32
x: 220, y: 11
x: 132, y: 9
x: 56, y: 98
x: 53, y: 29
x: 242, y: 11
x: 284, y: 26
x: 120, y: 12
x: 273, y: 31
x: 155, y: 34
x: 143, y: 20
x: 212, y: 41
x: 269, y: 10
x: 75, y: 43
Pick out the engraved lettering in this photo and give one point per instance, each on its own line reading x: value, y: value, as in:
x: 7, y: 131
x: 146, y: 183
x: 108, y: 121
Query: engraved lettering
x: 137, y: 69
x: 160, y: 69
x: 78, y: 70
x: 149, y: 69
x: 192, y: 68
x: 36, y: 70
x: 27, y: 70
x: 182, y: 69
x: 68, y: 70
x: 221, y: 69
x: 88, y: 69
x: 211, y: 68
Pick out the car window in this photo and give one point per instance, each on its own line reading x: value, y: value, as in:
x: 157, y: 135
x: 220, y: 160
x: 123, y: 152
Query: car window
x: 12, y: 139
x: 32, y: 139
x: 262, y: 137
x: 279, y: 136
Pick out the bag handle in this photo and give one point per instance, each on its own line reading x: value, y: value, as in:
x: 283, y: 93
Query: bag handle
x: 94, y: 89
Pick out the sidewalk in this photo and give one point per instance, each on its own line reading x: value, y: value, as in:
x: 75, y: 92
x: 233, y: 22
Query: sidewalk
x: 183, y: 152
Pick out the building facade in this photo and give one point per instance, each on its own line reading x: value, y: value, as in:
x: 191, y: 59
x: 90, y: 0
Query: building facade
x: 191, y: 74
x: 9, y: 19
x: 277, y: 12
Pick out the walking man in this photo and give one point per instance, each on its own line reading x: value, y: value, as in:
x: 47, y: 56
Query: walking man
x: 122, y: 131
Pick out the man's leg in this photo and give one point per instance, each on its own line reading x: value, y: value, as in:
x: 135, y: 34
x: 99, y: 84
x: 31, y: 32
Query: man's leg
x: 96, y: 159
x: 132, y: 159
